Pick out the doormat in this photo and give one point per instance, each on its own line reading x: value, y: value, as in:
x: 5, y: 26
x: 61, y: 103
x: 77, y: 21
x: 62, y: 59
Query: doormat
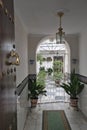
x: 55, y: 120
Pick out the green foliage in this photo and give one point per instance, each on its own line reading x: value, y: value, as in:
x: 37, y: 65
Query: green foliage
x: 41, y: 77
x: 57, y: 76
x: 42, y: 68
x: 33, y: 89
x: 36, y: 89
x: 74, y: 87
x: 37, y: 86
x: 49, y: 71
x: 41, y: 74
x: 57, y: 66
x: 49, y: 59
x: 40, y: 58
x: 57, y: 69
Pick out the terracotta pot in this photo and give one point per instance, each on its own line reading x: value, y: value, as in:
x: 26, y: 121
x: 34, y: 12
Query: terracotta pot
x: 57, y: 82
x: 74, y: 102
x: 34, y: 102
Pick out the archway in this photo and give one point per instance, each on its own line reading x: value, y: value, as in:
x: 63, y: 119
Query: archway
x: 50, y: 51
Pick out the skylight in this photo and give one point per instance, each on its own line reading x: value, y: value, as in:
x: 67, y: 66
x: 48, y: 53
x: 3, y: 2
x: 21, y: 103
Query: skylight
x: 50, y: 45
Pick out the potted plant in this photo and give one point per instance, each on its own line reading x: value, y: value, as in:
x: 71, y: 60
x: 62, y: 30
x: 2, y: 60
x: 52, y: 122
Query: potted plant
x: 73, y: 88
x: 40, y: 58
x: 57, y: 77
x: 34, y: 91
x: 57, y: 71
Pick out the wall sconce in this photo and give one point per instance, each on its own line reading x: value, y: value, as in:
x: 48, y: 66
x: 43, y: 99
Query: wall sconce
x: 31, y: 61
x: 74, y: 61
x: 12, y: 58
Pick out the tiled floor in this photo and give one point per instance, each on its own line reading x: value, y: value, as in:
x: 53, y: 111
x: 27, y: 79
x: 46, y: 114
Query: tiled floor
x: 58, y: 100
x: 75, y: 118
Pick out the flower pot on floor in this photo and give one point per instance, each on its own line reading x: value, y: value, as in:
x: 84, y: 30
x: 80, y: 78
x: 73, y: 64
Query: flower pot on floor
x: 34, y: 102
x: 74, y: 102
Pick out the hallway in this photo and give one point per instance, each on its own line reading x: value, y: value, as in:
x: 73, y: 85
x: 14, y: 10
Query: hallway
x: 23, y: 27
x: 34, y: 119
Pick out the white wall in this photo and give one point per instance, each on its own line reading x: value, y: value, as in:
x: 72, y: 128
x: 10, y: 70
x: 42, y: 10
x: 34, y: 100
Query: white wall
x: 22, y: 69
x: 22, y: 109
x: 83, y: 69
x: 22, y: 49
x: 73, y: 41
x: 34, y: 40
x: 83, y: 53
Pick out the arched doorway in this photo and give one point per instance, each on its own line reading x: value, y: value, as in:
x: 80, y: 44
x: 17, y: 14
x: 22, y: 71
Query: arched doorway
x: 49, y: 51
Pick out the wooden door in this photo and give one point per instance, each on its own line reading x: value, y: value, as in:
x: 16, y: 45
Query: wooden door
x: 8, y: 111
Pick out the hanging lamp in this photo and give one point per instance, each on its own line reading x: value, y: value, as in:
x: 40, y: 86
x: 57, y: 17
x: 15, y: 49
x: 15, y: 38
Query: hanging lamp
x: 60, y: 34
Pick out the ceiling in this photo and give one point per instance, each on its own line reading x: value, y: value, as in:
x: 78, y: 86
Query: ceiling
x: 40, y: 16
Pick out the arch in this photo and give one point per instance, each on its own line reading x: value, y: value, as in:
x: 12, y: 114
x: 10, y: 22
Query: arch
x: 66, y: 57
x: 45, y: 38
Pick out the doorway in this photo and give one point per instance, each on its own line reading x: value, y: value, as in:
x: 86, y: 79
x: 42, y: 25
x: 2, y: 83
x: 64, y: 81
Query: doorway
x: 49, y: 52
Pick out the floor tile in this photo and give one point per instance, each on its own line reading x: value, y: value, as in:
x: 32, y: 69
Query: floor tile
x: 75, y: 118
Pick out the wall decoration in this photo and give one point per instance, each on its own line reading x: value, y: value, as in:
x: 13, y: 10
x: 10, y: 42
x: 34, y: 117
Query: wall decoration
x: 74, y: 61
x: 14, y: 69
x: 1, y: 3
x: 31, y: 61
x: 11, y: 70
x: 12, y: 58
x: 6, y: 11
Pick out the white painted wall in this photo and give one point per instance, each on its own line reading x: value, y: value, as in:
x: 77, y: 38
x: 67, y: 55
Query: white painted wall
x: 34, y: 40
x: 83, y: 69
x: 22, y: 109
x: 22, y: 49
x: 22, y: 69
x: 73, y: 41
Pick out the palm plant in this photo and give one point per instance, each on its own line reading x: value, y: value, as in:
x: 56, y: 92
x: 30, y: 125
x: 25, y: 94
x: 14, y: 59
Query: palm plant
x: 36, y: 88
x: 74, y: 86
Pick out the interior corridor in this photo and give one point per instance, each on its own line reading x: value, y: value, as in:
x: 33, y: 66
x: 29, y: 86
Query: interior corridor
x: 34, y: 119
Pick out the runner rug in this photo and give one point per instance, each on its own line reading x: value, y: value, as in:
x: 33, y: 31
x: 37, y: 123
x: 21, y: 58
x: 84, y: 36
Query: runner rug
x: 55, y: 120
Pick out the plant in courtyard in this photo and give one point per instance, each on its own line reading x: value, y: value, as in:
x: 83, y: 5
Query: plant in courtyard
x: 57, y: 70
x: 40, y: 58
x: 42, y: 69
x: 41, y: 74
x: 57, y: 66
x: 49, y: 71
x: 58, y: 76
